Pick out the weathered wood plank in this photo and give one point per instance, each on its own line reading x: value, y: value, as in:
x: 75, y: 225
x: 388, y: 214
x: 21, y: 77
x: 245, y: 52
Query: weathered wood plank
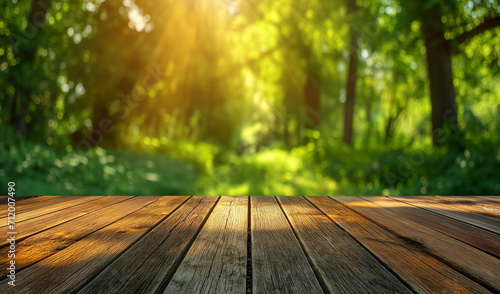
x: 477, y: 237
x: 70, y: 269
x: 146, y: 266
x: 344, y: 265
x: 422, y: 272
x: 459, y: 213
x: 216, y: 262
x: 483, y: 206
x: 458, y: 254
x: 53, y: 208
x: 41, y: 245
x: 473, y: 205
x: 51, y: 205
x: 4, y: 199
x: 491, y: 198
x: 34, y: 225
x: 37, y: 202
x: 279, y: 264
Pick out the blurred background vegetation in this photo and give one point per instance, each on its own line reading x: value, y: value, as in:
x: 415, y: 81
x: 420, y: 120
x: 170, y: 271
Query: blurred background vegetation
x: 260, y: 97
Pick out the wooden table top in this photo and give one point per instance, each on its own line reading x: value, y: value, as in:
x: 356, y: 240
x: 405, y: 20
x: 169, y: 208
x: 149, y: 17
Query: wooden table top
x: 199, y: 244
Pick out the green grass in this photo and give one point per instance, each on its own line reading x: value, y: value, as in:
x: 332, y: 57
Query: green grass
x: 269, y: 172
x: 204, y: 169
x: 40, y: 170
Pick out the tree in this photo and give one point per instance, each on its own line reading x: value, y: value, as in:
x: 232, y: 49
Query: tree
x: 25, y: 45
x: 352, y: 8
x: 439, y: 51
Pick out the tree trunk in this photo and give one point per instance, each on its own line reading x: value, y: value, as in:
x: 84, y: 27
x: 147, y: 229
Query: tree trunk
x: 312, y: 95
x: 351, y: 78
x: 351, y: 90
x: 20, y: 110
x: 369, y: 120
x: 440, y: 73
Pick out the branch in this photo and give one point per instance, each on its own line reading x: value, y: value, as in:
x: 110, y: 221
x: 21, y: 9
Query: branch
x: 484, y: 26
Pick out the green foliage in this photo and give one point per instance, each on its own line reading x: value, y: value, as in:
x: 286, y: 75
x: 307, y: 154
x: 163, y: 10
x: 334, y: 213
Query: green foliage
x: 269, y: 172
x: 41, y: 170
x: 242, y: 97
x: 204, y: 169
x: 470, y: 170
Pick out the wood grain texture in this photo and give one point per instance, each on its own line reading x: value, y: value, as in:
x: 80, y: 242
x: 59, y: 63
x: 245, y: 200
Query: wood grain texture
x: 38, y: 202
x: 216, y: 262
x: 482, y: 206
x: 146, y: 266
x: 344, y: 265
x: 41, y: 245
x: 298, y: 245
x: 278, y: 263
x: 34, y: 225
x: 491, y: 198
x: 461, y: 256
x: 422, y: 272
x: 50, y: 205
x: 68, y: 270
x: 477, y: 237
x: 467, y: 215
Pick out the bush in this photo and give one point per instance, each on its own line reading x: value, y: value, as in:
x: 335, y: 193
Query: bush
x: 41, y: 170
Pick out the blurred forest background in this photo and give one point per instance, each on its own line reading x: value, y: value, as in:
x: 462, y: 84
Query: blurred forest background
x: 260, y: 97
